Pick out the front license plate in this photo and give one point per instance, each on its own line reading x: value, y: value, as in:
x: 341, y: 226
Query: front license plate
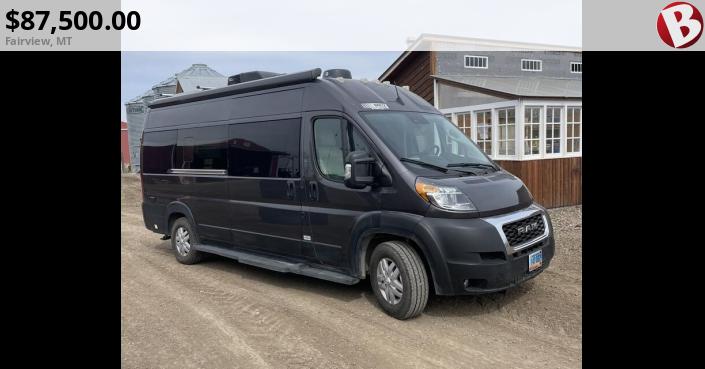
x: 535, y: 260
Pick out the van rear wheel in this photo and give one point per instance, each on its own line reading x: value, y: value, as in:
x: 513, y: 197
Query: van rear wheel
x: 399, y: 279
x: 183, y: 238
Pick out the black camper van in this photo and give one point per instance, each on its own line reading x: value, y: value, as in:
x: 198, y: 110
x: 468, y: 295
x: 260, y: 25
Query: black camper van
x: 338, y: 179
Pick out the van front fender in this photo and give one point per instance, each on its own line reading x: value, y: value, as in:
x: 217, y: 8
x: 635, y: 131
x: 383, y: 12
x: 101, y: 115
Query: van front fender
x: 398, y: 225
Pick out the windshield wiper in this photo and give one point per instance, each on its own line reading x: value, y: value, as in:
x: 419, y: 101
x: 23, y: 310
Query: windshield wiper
x: 480, y: 165
x: 425, y: 164
x: 434, y: 166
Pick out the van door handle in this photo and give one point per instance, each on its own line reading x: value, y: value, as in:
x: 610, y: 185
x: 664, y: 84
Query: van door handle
x: 290, y: 190
x: 313, y: 190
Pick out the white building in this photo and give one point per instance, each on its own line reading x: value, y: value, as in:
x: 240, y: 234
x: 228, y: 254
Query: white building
x: 521, y: 103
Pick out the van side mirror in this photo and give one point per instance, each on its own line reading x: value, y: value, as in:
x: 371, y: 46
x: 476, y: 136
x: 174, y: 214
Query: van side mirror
x: 360, y: 169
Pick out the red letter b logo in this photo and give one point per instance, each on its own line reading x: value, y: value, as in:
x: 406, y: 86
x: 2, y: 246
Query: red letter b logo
x: 680, y: 24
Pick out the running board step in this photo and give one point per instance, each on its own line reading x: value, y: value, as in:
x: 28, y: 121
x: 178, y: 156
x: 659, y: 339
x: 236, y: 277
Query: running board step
x: 278, y: 265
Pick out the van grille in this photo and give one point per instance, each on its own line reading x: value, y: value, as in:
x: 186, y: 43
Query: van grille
x: 524, y: 230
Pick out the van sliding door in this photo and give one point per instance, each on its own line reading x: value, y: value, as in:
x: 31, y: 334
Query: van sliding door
x: 264, y: 185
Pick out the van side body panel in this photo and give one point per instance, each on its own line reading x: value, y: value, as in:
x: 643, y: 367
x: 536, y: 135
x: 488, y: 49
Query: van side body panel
x: 263, y: 217
x: 320, y: 222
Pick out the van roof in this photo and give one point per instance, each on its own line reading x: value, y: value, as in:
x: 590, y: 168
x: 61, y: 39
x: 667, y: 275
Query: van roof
x: 283, y: 94
x: 240, y: 88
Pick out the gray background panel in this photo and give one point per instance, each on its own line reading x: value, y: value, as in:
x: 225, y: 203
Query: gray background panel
x: 627, y: 25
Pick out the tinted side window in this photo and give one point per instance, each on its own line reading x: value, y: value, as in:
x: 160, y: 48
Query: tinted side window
x: 202, y: 148
x: 335, y: 138
x: 157, y: 148
x: 265, y: 149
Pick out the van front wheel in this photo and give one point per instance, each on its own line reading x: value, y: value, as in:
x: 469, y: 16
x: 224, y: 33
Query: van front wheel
x: 183, y: 238
x: 399, y: 279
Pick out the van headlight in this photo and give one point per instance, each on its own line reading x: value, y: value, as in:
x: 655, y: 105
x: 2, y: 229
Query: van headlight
x: 444, y: 197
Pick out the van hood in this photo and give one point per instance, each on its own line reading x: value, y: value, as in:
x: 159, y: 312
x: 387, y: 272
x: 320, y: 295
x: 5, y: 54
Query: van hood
x: 493, y: 192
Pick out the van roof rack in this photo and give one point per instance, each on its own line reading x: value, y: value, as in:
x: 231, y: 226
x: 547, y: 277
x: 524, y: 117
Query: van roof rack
x: 241, y: 88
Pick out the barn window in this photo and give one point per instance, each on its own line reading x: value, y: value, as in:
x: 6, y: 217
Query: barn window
x: 472, y: 61
x: 507, y: 128
x: 531, y: 65
x: 576, y: 67
x: 532, y: 130
x: 574, y: 128
x: 553, y: 130
x: 484, y: 131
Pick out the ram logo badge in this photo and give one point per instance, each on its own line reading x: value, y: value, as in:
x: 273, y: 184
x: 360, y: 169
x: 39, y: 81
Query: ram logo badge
x: 527, y: 228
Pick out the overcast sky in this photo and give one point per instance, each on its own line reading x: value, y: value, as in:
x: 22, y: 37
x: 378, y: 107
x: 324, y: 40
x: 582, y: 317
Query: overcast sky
x: 142, y: 70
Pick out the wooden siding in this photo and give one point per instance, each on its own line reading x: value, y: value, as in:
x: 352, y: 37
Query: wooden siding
x: 553, y: 182
x: 415, y: 71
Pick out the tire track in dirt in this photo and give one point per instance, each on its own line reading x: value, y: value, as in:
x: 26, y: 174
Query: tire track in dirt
x: 273, y: 329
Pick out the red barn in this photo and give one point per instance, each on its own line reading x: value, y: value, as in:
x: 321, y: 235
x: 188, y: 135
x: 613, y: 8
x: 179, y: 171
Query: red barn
x: 124, y: 148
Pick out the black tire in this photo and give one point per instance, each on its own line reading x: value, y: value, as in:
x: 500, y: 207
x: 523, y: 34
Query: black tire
x: 192, y: 256
x: 413, y: 277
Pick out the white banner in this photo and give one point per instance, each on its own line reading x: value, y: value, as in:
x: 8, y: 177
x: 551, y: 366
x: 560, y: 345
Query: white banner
x: 337, y: 25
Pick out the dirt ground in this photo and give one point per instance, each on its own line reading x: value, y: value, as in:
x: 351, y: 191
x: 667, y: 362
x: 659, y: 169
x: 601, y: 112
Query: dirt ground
x: 222, y: 314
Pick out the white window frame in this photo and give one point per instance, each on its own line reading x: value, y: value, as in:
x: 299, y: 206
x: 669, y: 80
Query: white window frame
x: 465, y: 125
x: 519, y: 106
x: 498, y: 155
x: 476, y: 130
x: 474, y: 109
x: 540, y: 123
x: 576, y: 63
x: 466, y: 61
x: 561, y: 132
x: 540, y: 65
x: 565, y: 136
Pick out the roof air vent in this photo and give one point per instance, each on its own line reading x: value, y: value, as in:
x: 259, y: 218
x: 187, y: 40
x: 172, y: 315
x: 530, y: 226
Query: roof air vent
x: 250, y: 76
x: 335, y: 73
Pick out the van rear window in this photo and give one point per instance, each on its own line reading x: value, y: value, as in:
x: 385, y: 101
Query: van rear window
x: 265, y: 149
x: 157, y: 149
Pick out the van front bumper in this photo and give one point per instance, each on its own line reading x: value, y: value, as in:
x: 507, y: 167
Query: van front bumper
x: 478, y: 278
x: 473, y: 256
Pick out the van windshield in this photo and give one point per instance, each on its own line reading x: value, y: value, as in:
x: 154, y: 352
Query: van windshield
x: 424, y: 137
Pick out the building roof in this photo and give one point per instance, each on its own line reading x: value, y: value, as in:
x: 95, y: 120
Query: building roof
x: 522, y: 86
x: 435, y: 42
x: 430, y: 41
x: 198, y: 70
